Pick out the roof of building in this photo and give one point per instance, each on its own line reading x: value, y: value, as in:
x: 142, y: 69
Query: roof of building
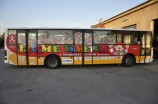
x: 136, y: 8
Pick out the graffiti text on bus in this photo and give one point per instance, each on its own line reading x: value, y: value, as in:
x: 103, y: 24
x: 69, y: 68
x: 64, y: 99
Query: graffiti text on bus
x: 67, y: 48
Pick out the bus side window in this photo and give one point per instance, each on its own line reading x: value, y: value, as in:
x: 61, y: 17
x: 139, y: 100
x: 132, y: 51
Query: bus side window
x: 21, y: 38
x: 60, y: 37
x: 42, y: 37
x: 134, y: 38
x: 32, y: 39
x: 127, y: 39
x: 103, y: 37
x: 78, y: 38
x: 119, y: 38
x: 88, y: 39
x: 111, y: 38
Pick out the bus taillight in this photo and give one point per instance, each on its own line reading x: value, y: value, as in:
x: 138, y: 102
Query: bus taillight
x: 5, y: 54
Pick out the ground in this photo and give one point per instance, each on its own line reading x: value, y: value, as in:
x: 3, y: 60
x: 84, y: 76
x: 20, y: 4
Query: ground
x: 95, y: 84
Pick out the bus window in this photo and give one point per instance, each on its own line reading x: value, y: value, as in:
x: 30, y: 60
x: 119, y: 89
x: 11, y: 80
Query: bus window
x: 21, y: 38
x: 32, y: 39
x: 78, y: 38
x: 119, y: 38
x: 131, y: 38
x: 148, y: 41
x: 60, y: 37
x: 127, y: 39
x: 103, y: 37
x: 148, y: 44
x: 143, y: 44
x: 134, y: 39
x: 88, y: 39
x: 143, y: 41
x: 42, y: 37
x: 111, y: 38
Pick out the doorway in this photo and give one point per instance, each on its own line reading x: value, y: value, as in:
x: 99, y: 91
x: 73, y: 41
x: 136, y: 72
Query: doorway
x: 155, y: 40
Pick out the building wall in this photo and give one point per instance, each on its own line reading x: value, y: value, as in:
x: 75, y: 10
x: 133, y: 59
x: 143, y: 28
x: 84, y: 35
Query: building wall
x: 142, y: 16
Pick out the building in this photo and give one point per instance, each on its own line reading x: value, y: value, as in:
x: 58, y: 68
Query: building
x: 141, y: 17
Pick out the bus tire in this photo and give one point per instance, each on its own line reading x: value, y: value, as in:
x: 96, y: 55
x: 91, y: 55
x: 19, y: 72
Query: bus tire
x: 128, y: 61
x: 52, y: 62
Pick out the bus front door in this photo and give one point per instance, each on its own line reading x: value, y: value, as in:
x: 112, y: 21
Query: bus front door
x: 146, y: 54
x: 21, y: 44
x: 27, y: 41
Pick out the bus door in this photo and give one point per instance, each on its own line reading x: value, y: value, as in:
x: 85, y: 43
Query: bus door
x: 78, y: 48
x: 145, y: 47
x: 88, y: 49
x: 27, y: 53
x: 21, y: 44
x: 32, y: 47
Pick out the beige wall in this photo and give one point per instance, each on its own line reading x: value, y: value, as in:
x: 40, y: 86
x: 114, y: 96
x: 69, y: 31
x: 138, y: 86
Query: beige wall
x: 142, y: 17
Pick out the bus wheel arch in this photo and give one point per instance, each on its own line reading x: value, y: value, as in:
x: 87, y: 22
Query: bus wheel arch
x: 52, y: 61
x: 128, y: 60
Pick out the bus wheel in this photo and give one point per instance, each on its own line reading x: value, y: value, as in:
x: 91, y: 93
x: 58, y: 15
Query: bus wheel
x: 128, y: 61
x: 52, y: 62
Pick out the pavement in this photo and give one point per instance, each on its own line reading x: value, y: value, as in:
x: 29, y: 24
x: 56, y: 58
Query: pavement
x: 94, y: 84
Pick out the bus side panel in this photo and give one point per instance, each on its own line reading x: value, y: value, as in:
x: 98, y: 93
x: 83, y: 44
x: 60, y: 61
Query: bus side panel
x: 12, y: 58
x: 77, y: 60
x: 142, y: 58
x: 146, y: 59
x: 11, y: 47
x: 107, y: 59
x: 41, y: 60
x: 22, y: 60
x: 88, y: 60
x: 66, y: 60
x: 135, y: 50
x: 62, y: 51
x: 137, y: 59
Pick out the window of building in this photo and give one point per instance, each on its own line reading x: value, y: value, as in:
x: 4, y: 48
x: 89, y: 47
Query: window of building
x: 130, y: 27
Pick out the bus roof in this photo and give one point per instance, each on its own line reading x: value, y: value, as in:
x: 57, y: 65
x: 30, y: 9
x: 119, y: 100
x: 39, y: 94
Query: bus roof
x: 25, y: 28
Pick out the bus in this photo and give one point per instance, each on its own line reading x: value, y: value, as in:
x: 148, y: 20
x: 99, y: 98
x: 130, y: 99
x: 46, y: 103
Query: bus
x: 54, y: 47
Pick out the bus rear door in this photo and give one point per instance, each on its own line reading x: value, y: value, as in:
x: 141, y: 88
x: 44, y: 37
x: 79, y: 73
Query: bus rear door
x: 145, y: 47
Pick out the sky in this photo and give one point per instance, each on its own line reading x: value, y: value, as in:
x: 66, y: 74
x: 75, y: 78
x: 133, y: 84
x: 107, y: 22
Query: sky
x: 59, y: 13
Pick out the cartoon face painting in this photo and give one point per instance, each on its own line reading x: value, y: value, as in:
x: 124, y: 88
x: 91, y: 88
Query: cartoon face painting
x: 118, y: 49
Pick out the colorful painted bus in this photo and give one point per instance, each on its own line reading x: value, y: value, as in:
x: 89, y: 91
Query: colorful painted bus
x: 54, y: 47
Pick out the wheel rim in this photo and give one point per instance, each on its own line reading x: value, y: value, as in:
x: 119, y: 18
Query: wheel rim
x: 129, y: 61
x: 52, y: 62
